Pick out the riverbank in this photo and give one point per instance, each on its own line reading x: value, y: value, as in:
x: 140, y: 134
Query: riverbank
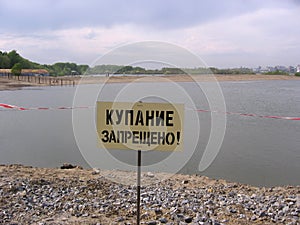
x: 7, y: 84
x: 186, y: 78
x: 13, y: 84
x: 78, y: 196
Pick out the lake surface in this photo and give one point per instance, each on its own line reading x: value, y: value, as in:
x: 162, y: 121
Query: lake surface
x: 255, y: 150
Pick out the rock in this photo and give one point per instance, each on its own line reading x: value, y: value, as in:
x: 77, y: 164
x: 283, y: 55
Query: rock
x: 185, y: 182
x: 291, y: 200
x: 262, y: 214
x: 120, y: 219
x: 95, y: 171
x: 152, y: 223
x: 242, y: 216
x: 280, y: 213
x: 144, y: 216
x: 188, y: 219
x: 231, y: 194
x: 209, y: 202
x: 149, y: 174
x: 285, y: 209
x: 184, y: 202
x: 163, y: 220
x: 253, y: 218
x: 232, y: 210
x: 158, y: 212
x: 94, y: 216
x: 91, y: 198
x: 180, y: 216
x: 295, y: 214
x: 67, y: 166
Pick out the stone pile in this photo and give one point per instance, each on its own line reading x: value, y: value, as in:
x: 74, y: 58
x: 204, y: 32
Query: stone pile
x: 88, y: 198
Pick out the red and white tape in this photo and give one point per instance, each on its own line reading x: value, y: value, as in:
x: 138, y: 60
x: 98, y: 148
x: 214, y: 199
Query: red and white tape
x: 251, y: 115
x: 14, y: 107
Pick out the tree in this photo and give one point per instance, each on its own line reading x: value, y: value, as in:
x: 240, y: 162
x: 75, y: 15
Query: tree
x: 26, y: 64
x: 16, y: 69
x: 82, y: 69
x: 276, y: 72
x: 125, y: 70
x: 4, y: 62
x: 14, y: 58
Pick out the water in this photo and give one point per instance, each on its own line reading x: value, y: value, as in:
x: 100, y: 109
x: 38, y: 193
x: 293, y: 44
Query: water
x: 255, y: 150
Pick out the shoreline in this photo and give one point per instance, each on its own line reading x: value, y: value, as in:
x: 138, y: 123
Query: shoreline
x: 12, y: 84
x: 30, y: 195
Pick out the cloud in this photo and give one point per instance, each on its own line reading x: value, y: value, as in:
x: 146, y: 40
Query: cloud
x: 35, y: 15
x: 82, y: 45
x: 224, y: 33
x: 249, y: 39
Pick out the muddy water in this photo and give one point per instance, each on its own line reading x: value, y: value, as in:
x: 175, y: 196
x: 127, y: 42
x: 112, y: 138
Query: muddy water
x: 255, y: 150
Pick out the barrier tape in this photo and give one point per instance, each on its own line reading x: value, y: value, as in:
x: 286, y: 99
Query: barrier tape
x: 252, y: 115
x: 13, y: 107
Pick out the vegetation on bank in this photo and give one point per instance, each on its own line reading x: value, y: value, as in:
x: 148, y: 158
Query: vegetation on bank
x: 12, y: 60
x: 276, y: 72
x: 297, y: 74
x: 116, y: 69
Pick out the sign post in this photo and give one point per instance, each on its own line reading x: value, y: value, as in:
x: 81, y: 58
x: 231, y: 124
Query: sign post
x: 139, y: 164
x: 142, y: 127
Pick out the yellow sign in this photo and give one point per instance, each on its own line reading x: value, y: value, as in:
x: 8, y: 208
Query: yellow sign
x: 140, y: 126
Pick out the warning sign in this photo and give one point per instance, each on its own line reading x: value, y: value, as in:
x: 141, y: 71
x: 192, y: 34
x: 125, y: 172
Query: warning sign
x: 140, y: 126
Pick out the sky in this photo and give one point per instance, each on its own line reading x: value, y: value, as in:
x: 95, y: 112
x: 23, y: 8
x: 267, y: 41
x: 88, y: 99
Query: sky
x: 223, y: 33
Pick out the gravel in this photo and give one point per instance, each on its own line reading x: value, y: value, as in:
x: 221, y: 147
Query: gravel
x: 77, y: 196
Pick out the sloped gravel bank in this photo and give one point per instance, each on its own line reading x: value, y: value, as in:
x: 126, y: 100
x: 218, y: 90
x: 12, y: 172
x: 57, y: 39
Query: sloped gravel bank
x: 78, y: 196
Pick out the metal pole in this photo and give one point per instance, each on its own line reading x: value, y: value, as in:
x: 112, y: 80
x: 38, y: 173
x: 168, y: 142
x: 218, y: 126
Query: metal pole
x: 138, y: 187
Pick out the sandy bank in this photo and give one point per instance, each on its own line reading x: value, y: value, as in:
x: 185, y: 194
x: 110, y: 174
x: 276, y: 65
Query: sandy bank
x: 77, y: 196
x: 6, y: 84
x: 185, y: 78
x: 9, y: 84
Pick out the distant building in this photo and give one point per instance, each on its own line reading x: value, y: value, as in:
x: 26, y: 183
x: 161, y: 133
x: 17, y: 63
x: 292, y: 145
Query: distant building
x: 281, y: 68
x: 292, y: 69
x: 264, y: 70
x: 27, y: 72
x: 298, y: 69
x: 271, y: 69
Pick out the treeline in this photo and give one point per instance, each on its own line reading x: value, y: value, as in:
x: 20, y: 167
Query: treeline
x: 116, y: 69
x: 13, y: 60
x: 277, y: 72
x: 241, y: 70
x: 63, y: 69
x: 9, y: 59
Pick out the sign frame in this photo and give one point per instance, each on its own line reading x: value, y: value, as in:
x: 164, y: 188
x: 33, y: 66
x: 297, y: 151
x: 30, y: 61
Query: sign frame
x: 140, y: 126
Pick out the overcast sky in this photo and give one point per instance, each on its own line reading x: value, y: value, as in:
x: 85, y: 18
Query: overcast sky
x: 224, y: 33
